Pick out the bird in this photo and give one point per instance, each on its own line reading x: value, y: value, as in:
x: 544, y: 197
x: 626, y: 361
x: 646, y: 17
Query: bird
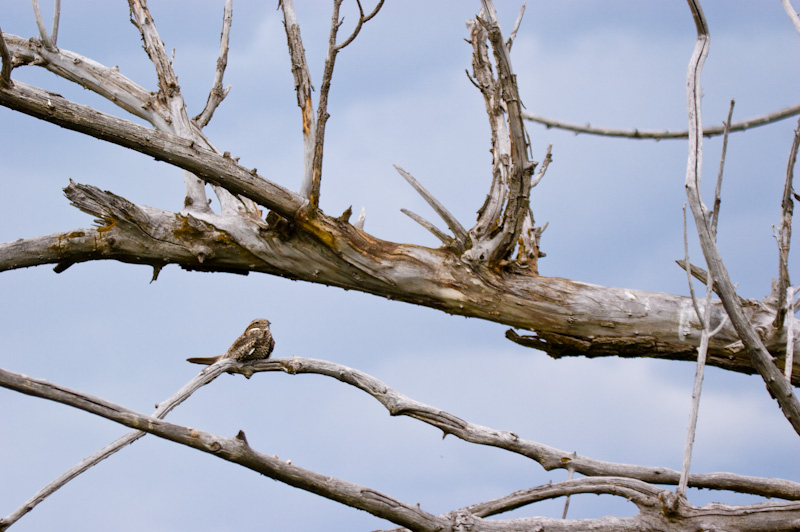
x: 255, y: 343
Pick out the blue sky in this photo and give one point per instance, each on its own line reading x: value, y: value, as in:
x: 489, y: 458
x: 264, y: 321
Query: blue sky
x: 399, y: 96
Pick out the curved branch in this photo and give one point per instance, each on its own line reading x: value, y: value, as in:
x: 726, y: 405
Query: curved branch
x: 89, y: 74
x: 205, y: 163
x: 521, y: 168
x: 204, y: 377
x: 642, y: 494
x: 218, y: 93
x: 779, y: 388
x: 743, y: 125
x: 548, y: 457
x: 234, y: 450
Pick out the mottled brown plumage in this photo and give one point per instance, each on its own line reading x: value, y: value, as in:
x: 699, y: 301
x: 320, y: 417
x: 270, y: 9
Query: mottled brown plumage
x: 254, y: 344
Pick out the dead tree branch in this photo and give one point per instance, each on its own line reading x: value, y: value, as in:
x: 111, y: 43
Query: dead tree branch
x: 779, y: 388
x: 218, y: 93
x: 790, y: 11
x: 48, y: 39
x: 233, y: 449
x: 658, y: 510
x: 784, y: 236
x: 162, y: 409
x: 303, y: 87
x: 664, y: 134
x: 500, y: 220
x: 549, y: 458
x: 5, y: 56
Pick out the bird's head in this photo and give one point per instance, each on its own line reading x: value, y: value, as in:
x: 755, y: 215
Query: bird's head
x: 257, y: 324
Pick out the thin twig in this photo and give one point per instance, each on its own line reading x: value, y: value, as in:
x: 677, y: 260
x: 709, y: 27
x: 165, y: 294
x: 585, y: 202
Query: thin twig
x: 56, y: 18
x: 687, y: 265
x: 204, y: 377
x: 663, y: 134
x: 458, y: 230
x: 5, y: 72
x: 548, y: 158
x: 702, y: 352
x: 513, y: 35
x: 362, y: 19
x: 438, y: 233
x: 718, y: 189
x: 566, y: 500
x: 761, y: 359
x: 313, y: 190
x: 784, y: 236
x: 218, y: 93
x: 48, y: 42
x: 789, y: 363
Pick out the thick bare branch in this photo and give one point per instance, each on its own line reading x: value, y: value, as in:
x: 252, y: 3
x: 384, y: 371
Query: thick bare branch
x: 500, y: 247
x: 236, y: 450
x: 779, y: 388
x: 218, y: 93
x: 5, y: 56
x: 187, y: 154
x: 204, y: 377
x: 303, y: 87
x: 664, y: 134
x: 100, y: 79
x: 169, y: 93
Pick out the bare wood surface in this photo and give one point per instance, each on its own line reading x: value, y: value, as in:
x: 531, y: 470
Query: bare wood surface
x: 658, y: 509
x: 762, y: 361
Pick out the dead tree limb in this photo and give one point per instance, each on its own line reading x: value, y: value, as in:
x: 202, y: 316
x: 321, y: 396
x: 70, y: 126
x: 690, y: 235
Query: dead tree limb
x: 779, y: 388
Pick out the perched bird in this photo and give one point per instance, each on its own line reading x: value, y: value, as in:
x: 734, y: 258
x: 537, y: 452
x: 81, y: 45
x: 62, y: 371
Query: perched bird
x: 255, y: 343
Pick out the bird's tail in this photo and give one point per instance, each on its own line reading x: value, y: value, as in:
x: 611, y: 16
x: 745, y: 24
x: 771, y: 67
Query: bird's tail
x: 203, y: 360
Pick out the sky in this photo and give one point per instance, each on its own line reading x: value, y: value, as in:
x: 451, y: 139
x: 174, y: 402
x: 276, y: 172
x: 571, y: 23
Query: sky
x: 400, y: 96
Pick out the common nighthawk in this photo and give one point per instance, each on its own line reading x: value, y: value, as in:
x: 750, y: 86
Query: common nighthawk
x: 255, y: 343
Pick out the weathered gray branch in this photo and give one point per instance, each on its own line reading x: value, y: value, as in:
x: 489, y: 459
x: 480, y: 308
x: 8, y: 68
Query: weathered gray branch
x: 218, y: 93
x: 762, y: 361
x: 48, y: 39
x: 548, y: 457
x: 570, y: 318
x: 303, y: 87
x: 658, y: 510
x: 784, y: 234
x: 313, y: 190
x: 5, y: 56
x: 236, y: 450
x: 496, y: 245
x: 204, y: 377
x: 743, y: 125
